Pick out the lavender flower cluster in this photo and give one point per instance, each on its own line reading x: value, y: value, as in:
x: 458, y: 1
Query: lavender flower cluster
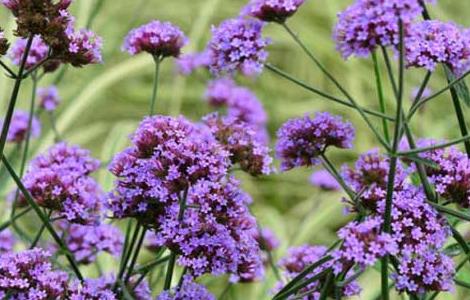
x: 18, y: 130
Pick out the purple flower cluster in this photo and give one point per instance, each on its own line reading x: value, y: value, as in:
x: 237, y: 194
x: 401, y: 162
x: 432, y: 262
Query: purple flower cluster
x: 241, y: 141
x: 188, y: 63
x: 241, y: 102
x: 38, y: 52
x: 48, y: 98
x: 217, y: 231
x: 432, y: 42
x: 298, y: 258
x: 85, y: 242
x: 429, y: 271
x: 160, y: 39
x: 29, y: 275
x: 7, y: 241
x: 369, y: 177
x: 302, y: 140
x: 189, y: 290
x: 363, y: 244
x: 168, y: 155
x: 324, y: 180
x: 237, y: 45
x: 368, y: 24
x: 18, y: 131
x: 272, y: 10
x: 84, y: 47
x: 60, y: 180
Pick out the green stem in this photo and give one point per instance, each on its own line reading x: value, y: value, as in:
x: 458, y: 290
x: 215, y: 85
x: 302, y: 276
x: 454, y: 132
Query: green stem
x: 9, y: 71
x: 39, y: 234
x: 450, y: 212
x: 155, y: 85
x: 380, y: 93
x: 136, y: 255
x: 17, y: 216
x: 332, y: 170
x: 43, y: 218
x: 127, y: 254
x: 323, y: 94
x: 14, y: 96
x: 434, y: 147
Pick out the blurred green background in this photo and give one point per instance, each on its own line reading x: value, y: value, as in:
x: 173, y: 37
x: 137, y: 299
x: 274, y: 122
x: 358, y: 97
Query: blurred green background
x: 103, y: 105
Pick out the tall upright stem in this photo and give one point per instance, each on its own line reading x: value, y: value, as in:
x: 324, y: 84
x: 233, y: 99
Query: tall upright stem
x: 380, y: 93
x: 155, y: 85
x: 14, y: 95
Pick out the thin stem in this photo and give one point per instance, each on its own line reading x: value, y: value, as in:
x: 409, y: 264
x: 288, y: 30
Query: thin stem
x: 393, y: 163
x: 9, y: 71
x: 389, y: 71
x: 301, y: 285
x: 323, y: 94
x: 136, y: 255
x: 129, y: 252
x: 448, y: 211
x: 332, y: 170
x: 17, y: 216
x: 171, y: 262
x: 39, y: 234
x: 155, y: 85
x: 14, y: 96
x: 43, y: 218
x: 434, y: 147
x: 380, y: 93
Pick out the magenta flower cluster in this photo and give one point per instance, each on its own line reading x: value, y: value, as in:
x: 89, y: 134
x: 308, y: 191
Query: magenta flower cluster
x: 368, y: 24
x: 301, y: 141
x: 39, y: 51
x: 272, y: 10
x: 434, y: 42
x: 160, y: 39
x: 60, y: 180
x: 189, y: 290
x: 237, y: 45
x: 241, y: 141
x: 19, y: 125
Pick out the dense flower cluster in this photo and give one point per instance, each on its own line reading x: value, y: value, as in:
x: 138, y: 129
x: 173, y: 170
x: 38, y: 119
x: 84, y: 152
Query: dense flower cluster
x: 18, y: 131
x: 216, y: 233
x: 189, y: 290
x: 434, y: 42
x: 84, y: 48
x: 363, y: 244
x: 368, y: 24
x: 237, y: 45
x: 85, y: 242
x: 38, y: 52
x: 168, y: 155
x: 324, y: 180
x: 7, y: 241
x: 160, y: 39
x: 369, y: 177
x: 241, y: 141
x: 302, y: 140
x: 429, y: 271
x: 4, y: 45
x: 188, y: 63
x: 298, y: 258
x: 241, y: 103
x: 91, y: 289
x: 416, y: 226
x: 29, y: 275
x: 48, y: 98
x: 60, y: 180
x: 272, y: 10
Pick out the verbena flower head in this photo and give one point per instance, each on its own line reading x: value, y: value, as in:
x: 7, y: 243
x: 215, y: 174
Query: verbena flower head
x: 38, y: 52
x: 272, y: 10
x: 302, y: 140
x: 237, y: 45
x: 189, y: 290
x: 4, y: 44
x: 369, y: 177
x: 368, y: 24
x: 48, y: 98
x: 433, y: 42
x: 363, y: 244
x: 216, y: 234
x: 324, y: 180
x: 18, y: 131
x: 84, y: 48
x: 300, y: 257
x: 428, y: 271
x: 160, y: 39
x: 241, y: 103
x: 30, y: 275
x: 188, y: 63
x: 7, y: 241
x: 86, y: 242
x: 416, y: 225
x: 241, y: 141
x: 167, y: 156
x: 60, y: 180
